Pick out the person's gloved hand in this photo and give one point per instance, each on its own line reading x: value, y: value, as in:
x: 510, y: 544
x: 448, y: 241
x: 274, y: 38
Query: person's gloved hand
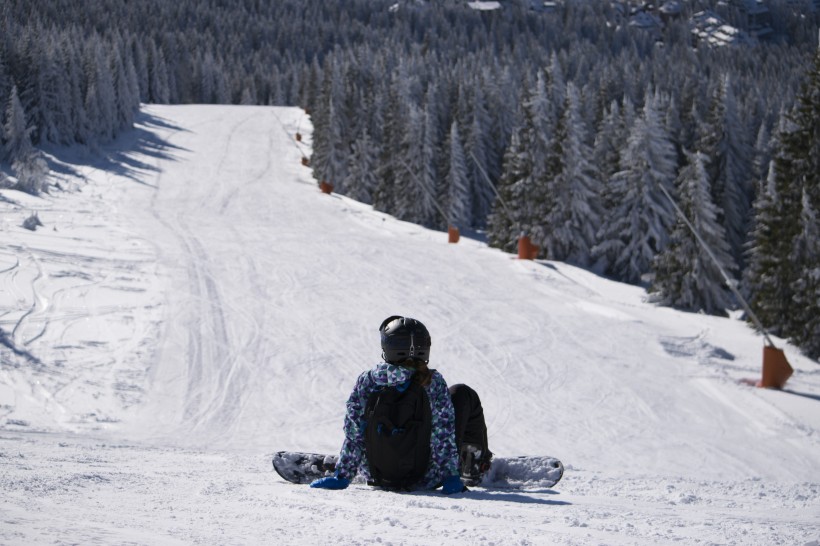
x: 330, y: 482
x: 452, y: 485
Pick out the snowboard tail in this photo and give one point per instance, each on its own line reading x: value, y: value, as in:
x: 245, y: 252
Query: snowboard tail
x: 505, y: 472
x: 296, y: 467
x: 524, y: 471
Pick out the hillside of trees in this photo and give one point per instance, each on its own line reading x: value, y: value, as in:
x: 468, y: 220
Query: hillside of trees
x: 578, y: 120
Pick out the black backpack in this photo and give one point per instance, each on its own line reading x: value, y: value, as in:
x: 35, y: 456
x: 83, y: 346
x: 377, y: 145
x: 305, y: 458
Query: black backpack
x: 397, y: 437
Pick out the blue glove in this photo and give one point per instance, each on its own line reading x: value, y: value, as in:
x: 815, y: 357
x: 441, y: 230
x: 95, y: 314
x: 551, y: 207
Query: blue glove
x: 330, y: 482
x: 452, y: 485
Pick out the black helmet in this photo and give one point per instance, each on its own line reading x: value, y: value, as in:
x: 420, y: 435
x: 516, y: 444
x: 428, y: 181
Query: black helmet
x: 403, y: 338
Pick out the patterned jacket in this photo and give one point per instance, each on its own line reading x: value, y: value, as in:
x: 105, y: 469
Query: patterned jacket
x: 443, y: 453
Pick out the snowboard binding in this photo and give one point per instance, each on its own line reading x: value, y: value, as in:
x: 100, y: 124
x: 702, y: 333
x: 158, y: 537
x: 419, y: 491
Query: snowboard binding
x: 475, y: 463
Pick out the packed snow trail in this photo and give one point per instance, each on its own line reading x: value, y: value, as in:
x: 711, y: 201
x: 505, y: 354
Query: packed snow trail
x: 219, y: 308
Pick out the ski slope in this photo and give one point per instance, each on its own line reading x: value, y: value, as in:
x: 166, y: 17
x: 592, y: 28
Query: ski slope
x: 193, y: 303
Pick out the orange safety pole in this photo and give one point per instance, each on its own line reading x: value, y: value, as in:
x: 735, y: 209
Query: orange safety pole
x: 326, y: 186
x: 524, y: 250
x: 452, y: 234
x: 527, y: 250
x: 298, y: 137
x: 776, y: 369
x: 305, y: 161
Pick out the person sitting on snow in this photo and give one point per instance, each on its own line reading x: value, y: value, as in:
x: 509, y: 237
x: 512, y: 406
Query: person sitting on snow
x: 404, y: 429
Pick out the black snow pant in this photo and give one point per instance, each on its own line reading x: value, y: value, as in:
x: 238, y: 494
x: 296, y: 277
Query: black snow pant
x: 470, y: 426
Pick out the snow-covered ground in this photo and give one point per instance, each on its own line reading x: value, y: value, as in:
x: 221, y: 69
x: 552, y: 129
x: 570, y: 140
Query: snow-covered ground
x: 194, y: 303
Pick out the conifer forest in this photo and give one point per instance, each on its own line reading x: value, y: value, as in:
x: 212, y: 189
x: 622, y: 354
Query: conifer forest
x: 564, y: 121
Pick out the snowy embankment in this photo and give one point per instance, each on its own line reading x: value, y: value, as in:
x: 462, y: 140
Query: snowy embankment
x: 194, y: 303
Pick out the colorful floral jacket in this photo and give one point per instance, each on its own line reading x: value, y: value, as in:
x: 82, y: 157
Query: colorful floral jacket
x: 443, y: 453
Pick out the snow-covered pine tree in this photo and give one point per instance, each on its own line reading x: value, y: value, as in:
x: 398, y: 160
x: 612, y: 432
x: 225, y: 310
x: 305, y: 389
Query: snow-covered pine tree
x: 612, y: 132
x: 357, y: 98
x: 330, y: 151
x: 571, y: 226
x: 764, y: 277
x: 784, y: 215
x: 361, y: 170
x: 310, y: 85
x: 427, y: 177
x: 478, y: 151
x: 557, y: 86
x: 248, y: 96
x: 539, y: 138
x: 16, y: 131
x: 322, y: 134
x: 459, y: 205
x: 5, y: 86
x: 141, y: 66
x: 629, y: 115
x: 92, y: 117
x: 540, y: 120
x: 638, y: 227
x: 724, y: 141
x: 131, y: 82
x: 47, y: 90
x: 411, y: 194
x: 805, y: 329
x: 100, y: 99
x: 335, y: 167
x: 674, y: 126
x: 392, y: 130
x: 205, y: 77
x: 73, y: 122
x: 125, y: 102
x: 689, y: 99
x: 686, y: 277
x: 159, y: 91
x: 762, y: 155
x: 502, y: 107
x: 606, y: 149
x: 505, y: 224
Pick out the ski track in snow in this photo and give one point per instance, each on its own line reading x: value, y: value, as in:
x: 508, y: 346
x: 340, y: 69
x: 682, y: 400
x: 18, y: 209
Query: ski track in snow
x: 195, y: 303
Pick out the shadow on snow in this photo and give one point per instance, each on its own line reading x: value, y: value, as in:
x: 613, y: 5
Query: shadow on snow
x: 120, y: 156
x: 529, y: 497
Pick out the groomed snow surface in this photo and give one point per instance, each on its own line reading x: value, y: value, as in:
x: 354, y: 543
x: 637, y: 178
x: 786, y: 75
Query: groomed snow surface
x: 194, y: 303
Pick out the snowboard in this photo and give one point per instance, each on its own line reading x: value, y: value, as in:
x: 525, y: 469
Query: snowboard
x: 505, y: 472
